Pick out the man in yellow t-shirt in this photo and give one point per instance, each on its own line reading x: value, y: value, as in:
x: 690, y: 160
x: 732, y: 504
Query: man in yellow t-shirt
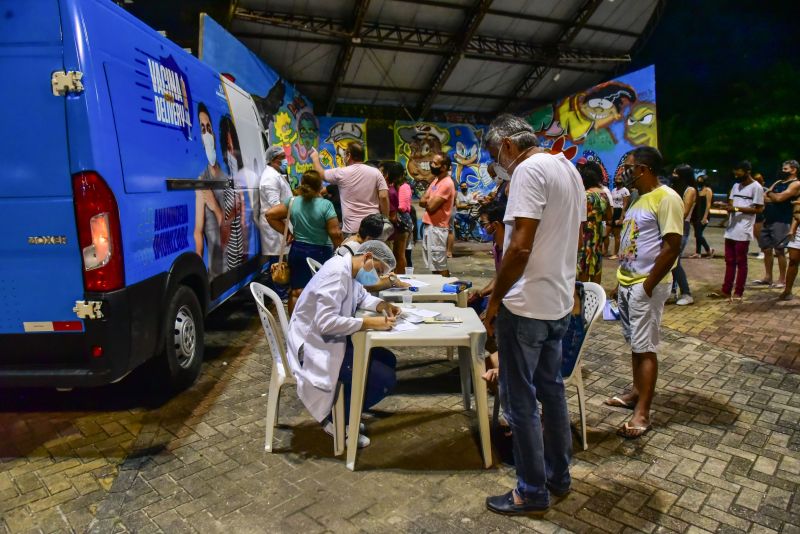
x: 651, y: 239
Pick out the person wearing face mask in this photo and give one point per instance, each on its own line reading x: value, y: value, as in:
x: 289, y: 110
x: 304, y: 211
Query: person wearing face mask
x: 651, y: 242
x: 273, y: 190
x: 438, y: 202
x: 232, y: 199
x: 700, y: 214
x: 208, y: 213
x: 777, y: 219
x: 319, y: 348
x: 745, y: 201
x: 532, y: 301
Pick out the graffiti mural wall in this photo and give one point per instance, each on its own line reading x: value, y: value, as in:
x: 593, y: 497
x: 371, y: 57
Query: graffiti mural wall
x: 603, y: 123
x: 335, y: 134
x: 287, y: 117
x: 417, y: 143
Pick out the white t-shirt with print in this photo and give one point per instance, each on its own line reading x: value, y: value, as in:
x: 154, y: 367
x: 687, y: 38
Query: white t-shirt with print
x: 618, y: 196
x: 740, y: 225
x: 548, y: 188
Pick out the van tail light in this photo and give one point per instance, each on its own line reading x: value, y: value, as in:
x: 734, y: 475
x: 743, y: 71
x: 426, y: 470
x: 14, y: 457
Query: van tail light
x: 99, y: 234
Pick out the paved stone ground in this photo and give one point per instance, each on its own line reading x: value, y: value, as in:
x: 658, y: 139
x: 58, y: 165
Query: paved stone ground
x: 724, y: 455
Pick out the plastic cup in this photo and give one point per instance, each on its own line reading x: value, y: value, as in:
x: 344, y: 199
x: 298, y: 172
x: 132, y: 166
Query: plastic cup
x: 409, y: 271
x: 407, y: 299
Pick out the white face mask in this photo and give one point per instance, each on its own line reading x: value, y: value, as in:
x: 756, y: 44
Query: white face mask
x: 501, y: 175
x: 211, y: 152
x: 233, y: 165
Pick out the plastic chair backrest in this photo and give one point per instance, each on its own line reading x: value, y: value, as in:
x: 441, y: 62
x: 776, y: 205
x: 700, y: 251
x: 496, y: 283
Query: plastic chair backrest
x: 594, y: 301
x: 314, y: 265
x: 271, y: 326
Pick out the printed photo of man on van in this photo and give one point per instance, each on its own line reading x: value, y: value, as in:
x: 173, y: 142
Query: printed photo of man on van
x: 234, y: 225
x: 208, y: 213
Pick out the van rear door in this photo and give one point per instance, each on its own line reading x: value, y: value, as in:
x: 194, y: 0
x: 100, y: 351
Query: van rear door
x: 40, y: 260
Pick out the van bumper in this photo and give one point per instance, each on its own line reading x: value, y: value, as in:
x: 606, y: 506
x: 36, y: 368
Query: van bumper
x: 128, y: 335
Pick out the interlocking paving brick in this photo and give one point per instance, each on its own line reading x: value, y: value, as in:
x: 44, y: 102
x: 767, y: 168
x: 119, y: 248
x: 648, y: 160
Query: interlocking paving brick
x: 724, y: 454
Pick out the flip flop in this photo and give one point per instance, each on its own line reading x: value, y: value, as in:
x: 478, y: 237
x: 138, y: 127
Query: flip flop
x: 617, y: 402
x: 633, y: 432
x: 760, y: 283
x: 715, y: 295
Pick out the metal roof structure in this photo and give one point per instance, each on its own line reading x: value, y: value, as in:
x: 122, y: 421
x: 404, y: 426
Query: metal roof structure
x: 475, y: 56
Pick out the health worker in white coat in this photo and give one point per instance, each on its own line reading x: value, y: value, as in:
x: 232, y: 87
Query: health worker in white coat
x: 319, y: 347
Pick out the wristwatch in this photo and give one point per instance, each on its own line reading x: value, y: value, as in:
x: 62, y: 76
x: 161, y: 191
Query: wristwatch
x: 393, y: 280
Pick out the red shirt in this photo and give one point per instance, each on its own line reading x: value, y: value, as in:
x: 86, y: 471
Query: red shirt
x: 441, y: 187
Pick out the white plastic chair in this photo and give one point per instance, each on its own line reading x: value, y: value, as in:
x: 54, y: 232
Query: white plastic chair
x: 594, y: 300
x: 314, y: 265
x: 281, y: 373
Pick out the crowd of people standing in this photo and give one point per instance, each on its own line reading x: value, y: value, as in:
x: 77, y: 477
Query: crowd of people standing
x: 543, y: 207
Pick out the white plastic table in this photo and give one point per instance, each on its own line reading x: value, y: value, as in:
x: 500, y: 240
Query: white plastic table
x: 430, y: 293
x: 469, y: 336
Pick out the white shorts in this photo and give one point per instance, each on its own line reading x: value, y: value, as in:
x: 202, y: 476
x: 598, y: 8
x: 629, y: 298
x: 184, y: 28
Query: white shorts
x: 795, y: 242
x: 434, y: 247
x: 640, y: 315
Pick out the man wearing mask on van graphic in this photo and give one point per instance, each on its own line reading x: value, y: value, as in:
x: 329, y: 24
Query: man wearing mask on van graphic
x: 208, y: 214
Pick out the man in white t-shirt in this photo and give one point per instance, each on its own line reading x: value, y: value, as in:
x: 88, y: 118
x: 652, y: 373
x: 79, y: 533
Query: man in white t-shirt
x: 362, y: 188
x: 273, y: 189
x: 532, y: 299
x: 745, y: 201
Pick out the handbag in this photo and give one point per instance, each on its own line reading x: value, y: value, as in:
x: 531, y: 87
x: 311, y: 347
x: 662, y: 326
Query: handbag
x: 280, y: 271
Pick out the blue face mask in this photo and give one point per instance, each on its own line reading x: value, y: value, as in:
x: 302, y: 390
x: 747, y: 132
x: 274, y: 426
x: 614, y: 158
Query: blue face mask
x: 284, y: 166
x: 367, y: 277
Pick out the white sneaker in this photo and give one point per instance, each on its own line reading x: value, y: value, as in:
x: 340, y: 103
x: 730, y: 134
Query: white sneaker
x: 685, y: 300
x: 363, y: 441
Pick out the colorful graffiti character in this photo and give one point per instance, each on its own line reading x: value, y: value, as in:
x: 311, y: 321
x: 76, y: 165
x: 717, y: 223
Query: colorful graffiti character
x: 339, y: 136
x: 466, y: 155
x: 596, y: 109
x: 641, y: 127
x: 308, y: 130
x: 421, y: 142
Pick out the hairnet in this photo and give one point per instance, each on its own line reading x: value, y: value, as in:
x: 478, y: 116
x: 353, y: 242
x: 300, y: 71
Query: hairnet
x: 379, y: 251
x: 273, y: 152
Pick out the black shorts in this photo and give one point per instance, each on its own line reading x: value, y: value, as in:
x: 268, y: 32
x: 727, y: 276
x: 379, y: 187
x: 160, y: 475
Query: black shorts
x: 616, y: 215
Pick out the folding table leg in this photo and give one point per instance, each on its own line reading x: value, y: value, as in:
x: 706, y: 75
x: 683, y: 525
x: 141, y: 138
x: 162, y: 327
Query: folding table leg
x: 361, y: 351
x: 482, y: 409
x: 465, y: 364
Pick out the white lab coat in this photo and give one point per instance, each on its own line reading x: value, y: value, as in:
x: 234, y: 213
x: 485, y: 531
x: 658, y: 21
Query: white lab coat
x: 273, y: 189
x: 318, y: 330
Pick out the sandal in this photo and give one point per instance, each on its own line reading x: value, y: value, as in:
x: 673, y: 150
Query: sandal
x: 613, y: 257
x: 718, y: 295
x: 618, y: 402
x: 633, y: 432
x: 693, y: 256
x: 761, y: 283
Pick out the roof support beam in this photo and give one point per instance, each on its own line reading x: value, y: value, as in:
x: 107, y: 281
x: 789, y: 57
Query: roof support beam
x: 346, y: 53
x: 412, y: 90
x: 419, y: 40
x: 457, y: 48
x: 536, y: 74
x: 525, y: 16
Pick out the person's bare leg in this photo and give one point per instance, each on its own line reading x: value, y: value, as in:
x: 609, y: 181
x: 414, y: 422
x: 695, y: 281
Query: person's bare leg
x: 791, y: 271
x: 767, y: 265
x: 644, y: 379
x: 400, y: 242
x: 294, y: 294
x: 451, y: 239
x: 781, y: 255
x: 616, y: 241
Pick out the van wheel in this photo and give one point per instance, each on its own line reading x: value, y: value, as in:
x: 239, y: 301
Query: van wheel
x: 183, y: 339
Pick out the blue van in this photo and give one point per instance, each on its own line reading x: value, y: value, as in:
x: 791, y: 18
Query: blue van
x: 129, y: 196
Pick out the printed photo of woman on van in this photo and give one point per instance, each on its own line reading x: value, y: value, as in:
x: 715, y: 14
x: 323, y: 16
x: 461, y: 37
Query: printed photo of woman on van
x: 234, y: 226
x: 208, y: 213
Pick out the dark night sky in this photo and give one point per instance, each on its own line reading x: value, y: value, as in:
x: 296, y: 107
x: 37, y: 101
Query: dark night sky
x: 725, y: 60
